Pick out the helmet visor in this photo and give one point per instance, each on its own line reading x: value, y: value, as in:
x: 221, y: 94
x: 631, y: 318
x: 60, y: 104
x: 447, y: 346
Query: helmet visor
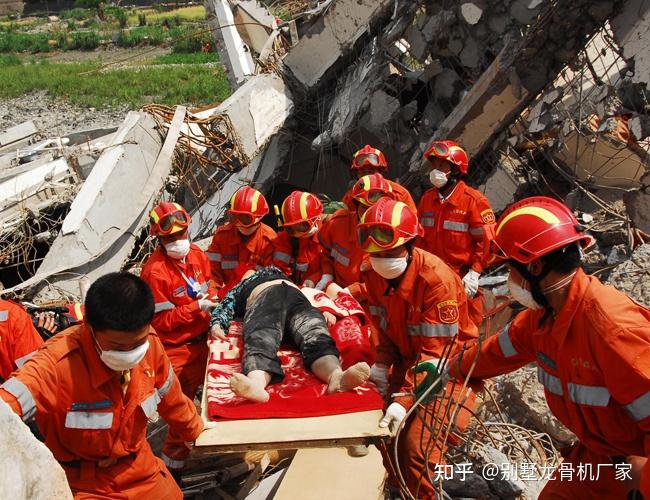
x: 298, y: 228
x: 438, y: 150
x: 366, y: 159
x: 242, y: 220
x: 382, y: 235
x: 167, y: 224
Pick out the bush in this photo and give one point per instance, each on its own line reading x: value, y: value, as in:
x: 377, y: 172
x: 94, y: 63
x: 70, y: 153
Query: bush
x: 24, y: 42
x: 147, y: 35
x: 121, y: 16
x: 9, y: 60
x: 77, y: 14
x: 71, y: 25
x: 190, y: 43
x: 85, y: 40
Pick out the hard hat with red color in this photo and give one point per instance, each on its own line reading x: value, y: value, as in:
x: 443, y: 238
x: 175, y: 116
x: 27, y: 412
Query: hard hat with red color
x: 247, y: 207
x: 370, y: 188
x: 369, y: 157
x: 386, y: 225
x: 450, y: 151
x: 168, y: 218
x: 301, y: 208
x: 534, y: 227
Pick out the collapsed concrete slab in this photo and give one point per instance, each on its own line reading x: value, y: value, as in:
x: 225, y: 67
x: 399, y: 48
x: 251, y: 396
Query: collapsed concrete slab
x: 632, y: 277
x: 16, y: 136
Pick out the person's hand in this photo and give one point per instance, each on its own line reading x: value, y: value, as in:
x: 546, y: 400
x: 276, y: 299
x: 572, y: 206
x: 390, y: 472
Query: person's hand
x: 47, y: 323
x: 308, y: 284
x: 323, y: 282
x: 379, y: 375
x: 207, y: 305
x: 217, y: 333
x: 329, y: 318
x: 633, y: 485
x: 470, y: 280
x: 394, y: 415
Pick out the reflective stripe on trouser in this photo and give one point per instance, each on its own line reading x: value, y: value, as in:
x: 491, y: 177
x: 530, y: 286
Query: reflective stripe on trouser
x: 277, y: 311
x: 413, y: 444
x: 189, y: 361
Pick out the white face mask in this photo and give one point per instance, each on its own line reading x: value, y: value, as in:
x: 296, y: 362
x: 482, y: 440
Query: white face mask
x: 123, y: 360
x: 178, y: 249
x: 438, y: 178
x: 389, y: 267
x: 247, y: 231
x: 522, y: 295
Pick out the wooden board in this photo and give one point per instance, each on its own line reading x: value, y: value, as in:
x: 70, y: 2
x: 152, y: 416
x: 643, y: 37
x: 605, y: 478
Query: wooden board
x: 332, y: 473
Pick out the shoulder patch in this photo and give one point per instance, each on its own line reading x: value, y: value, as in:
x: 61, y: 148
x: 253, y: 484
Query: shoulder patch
x: 487, y: 216
x: 448, y: 311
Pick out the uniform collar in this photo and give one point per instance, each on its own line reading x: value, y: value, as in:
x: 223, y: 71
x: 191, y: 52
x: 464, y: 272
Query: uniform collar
x: 455, y: 195
x: 577, y: 290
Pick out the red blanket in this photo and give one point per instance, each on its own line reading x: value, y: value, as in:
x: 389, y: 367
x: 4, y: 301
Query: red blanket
x: 300, y: 394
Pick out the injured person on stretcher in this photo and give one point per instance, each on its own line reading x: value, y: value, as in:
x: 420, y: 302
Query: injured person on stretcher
x: 274, y: 309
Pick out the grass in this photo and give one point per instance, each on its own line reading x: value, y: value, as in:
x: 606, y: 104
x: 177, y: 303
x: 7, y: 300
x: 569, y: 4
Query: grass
x: 193, y: 58
x: 191, y: 85
x: 186, y: 14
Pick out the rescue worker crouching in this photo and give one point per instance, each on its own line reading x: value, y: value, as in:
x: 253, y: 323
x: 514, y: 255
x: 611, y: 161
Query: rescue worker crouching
x: 178, y: 273
x: 297, y: 250
x: 419, y: 312
x: 591, y: 344
x: 454, y: 217
x: 93, y: 387
x: 19, y: 339
x: 244, y: 239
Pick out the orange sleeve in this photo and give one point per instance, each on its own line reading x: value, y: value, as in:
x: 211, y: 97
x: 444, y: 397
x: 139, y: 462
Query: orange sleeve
x: 325, y: 239
x: 386, y: 352
x: 25, y: 338
x: 176, y: 408
x: 481, y: 215
x: 270, y: 236
x: 214, y: 254
x: 282, y: 252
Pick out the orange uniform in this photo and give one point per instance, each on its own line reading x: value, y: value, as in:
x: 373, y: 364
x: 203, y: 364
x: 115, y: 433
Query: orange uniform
x: 417, y: 321
x: 19, y: 340
x: 454, y: 227
x: 229, y: 248
x: 181, y: 325
x: 593, y: 359
x: 300, y: 258
x: 97, y: 431
x: 401, y: 194
x: 339, y: 239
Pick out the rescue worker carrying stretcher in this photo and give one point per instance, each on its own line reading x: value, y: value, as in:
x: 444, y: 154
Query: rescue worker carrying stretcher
x: 297, y: 250
x: 274, y: 309
x: 93, y: 388
x: 454, y: 217
x: 178, y: 273
x: 591, y: 344
x: 419, y: 313
x: 244, y: 239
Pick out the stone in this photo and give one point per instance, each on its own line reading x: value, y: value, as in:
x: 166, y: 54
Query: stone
x: 470, y: 56
x: 471, y: 12
x: 637, y: 205
x: 382, y: 110
x: 632, y: 277
x: 408, y: 112
x: 520, y: 11
x: 471, y: 485
x: 418, y: 47
x: 438, y: 25
x: 490, y: 459
x: 498, y: 23
x: 447, y: 84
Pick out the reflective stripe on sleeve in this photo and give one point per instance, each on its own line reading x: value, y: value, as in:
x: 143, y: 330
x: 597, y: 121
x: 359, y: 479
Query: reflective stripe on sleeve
x: 163, y: 306
x: 505, y: 343
x: 340, y: 258
x: 588, y: 395
x: 302, y: 267
x: 88, y: 420
x: 438, y: 330
x: 428, y: 222
x: 640, y: 407
x: 22, y: 360
x: 25, y: 399
x: 168, y: 383
x: 381, y: 313
x: 476, y: 231
x: 150, y: 404
x: 4, y: 315
x: 229, y: 264
x: 282, y: 257
x: 214, y: 257
x: 550, y: 382
x: 455, y: 226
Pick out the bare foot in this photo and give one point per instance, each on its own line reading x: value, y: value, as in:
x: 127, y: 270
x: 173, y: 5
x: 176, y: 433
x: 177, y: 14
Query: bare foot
x: 342, y: 381
x: 241, y: 385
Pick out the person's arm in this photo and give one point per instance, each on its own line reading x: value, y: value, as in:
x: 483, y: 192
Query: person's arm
x: 282, y: 254
x: 25, y: 340
x: 215, y: 255
x: 270, y: 237
x: 481, y: 216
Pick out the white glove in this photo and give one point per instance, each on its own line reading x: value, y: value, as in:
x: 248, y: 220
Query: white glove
x: 471, y: 283
x: 322, y: 283
x: 308, y: 284
x: 394, y: 415
x: 379, y: 375
x: 207, y: 305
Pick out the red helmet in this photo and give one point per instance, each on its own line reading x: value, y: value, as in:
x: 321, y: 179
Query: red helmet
x: 247, y: 207
x: 387, y: 224
x: 369, y: 157
x: 168, y: 218
x: 369, y: 188
x: 300, y: 210
x: 534, y: 227
x: 450, y: 151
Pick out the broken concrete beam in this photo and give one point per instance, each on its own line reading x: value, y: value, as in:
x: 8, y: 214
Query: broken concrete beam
x: 383, y: 109
x: 15, y: 136
x: 95, y: 237
x: 633, y: 275
x: 330, y: 37
x: 255, y: 24
x: 631, y: 28
x: 504, y: 183
x: 234, y: 53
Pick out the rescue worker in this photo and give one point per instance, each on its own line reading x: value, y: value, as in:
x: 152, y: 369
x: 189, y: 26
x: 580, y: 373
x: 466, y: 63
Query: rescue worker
x: 93, y: 387
x: 244, y: 239
x: 369, y: 160
x: 297, y: 250
x: 454, y: 217
x: 339, y: 236
x: 591, y: 344
x: 178, y: 272
x: 19, y: 340
x: 419, y: 312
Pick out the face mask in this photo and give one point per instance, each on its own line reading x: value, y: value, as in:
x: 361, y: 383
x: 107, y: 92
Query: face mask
x: 247, y: 231
x: 438, y: 178
x: 178, y: 249
x: 521, y: 295
x: 123, y: 360
x: 311, y: 232
x: 390, y: 267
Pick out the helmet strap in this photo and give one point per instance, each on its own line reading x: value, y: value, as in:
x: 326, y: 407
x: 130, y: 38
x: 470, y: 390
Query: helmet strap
x: 534, y: 281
